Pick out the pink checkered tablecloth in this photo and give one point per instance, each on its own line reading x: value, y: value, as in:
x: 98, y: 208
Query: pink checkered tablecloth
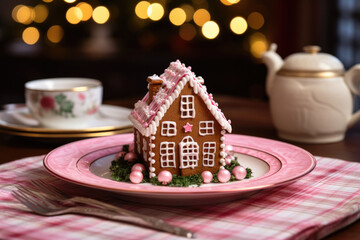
x: 322, y: 202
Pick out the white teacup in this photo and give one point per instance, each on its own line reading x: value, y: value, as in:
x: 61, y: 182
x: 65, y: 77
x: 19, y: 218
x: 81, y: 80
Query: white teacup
x: 64, y: 103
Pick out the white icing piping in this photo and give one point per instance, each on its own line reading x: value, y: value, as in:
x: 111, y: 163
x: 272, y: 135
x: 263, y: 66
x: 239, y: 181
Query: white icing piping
x: 171, y: 75
x: 222, y: 151
x: 151, y: 129
x: 151, y: 157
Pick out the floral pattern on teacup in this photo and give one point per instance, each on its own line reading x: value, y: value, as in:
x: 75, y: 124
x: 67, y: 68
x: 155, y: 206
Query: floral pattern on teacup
x: 47, y: 102
x: 92, y: 110
x: 59, y: 104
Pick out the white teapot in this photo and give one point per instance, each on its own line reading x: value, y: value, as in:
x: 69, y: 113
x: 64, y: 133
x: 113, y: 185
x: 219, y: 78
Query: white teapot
x: 310, y: 95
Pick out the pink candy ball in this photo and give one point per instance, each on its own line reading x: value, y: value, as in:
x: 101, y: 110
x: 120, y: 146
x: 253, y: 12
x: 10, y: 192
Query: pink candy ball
x: 165, y: 177
x: 207, y: 176
x: 228, y: 159
x: 223, y: 175
x: 130, y: 156
x: 239, y: 172
x: 120, y: 154
x: 138, y: 167
x: 136, y: 176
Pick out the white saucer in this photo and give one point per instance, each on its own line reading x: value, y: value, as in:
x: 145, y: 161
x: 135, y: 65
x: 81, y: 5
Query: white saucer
x: 110, y: 120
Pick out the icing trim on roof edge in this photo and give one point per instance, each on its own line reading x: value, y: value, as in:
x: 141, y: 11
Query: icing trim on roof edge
x: 151, y: 129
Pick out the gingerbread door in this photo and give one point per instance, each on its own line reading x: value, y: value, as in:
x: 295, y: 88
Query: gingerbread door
x: 188, y: 153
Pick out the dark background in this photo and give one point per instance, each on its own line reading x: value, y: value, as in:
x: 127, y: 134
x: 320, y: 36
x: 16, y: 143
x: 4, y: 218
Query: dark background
x: 225, y: 62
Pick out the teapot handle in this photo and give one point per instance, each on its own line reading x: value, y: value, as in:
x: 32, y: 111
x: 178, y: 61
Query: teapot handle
x: 352, y: 79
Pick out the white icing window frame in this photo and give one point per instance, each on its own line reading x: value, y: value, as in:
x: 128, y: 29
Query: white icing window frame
x: 144, y: 149
x: 189, y: 153
x: 187, y: 106
x: 206, y: 128
x: 167, y: 155
x: 168, y: 128
x: 208, y: 151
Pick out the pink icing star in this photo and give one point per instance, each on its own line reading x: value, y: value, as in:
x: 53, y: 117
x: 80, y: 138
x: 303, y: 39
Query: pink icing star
x: 188, y: 127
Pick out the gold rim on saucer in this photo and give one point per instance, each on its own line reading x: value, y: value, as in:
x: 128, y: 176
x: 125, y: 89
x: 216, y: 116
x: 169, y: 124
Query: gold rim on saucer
x: 65, y: 135
x: 37, y: 131
x: 65, y: 131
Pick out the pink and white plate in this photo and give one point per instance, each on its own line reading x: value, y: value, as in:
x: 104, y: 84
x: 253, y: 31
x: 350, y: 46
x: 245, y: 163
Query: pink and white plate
x: 274, y: 163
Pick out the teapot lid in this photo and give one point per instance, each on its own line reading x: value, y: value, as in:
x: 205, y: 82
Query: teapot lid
x: 311, y: 63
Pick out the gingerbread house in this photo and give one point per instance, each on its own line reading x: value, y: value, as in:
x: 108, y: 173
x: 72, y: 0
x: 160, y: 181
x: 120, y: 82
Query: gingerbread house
x: 178, y: 126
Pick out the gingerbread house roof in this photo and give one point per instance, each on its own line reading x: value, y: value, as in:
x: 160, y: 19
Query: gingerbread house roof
x: 147, y: 115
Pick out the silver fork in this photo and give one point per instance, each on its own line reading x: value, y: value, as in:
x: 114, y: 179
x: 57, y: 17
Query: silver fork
x: 47, y: 204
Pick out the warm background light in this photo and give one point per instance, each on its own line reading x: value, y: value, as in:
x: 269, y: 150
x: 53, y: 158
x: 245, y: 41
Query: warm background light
x: 155, y: 11
x: 238, y: 25
x: 177, y: 16
x: 229, y: 2
x: 210, y: 29
x: 187, y: 32
x: 30, y: 35
x: 74, y: 15
x: 192, y: 19
x: 86, y: 10
x: 141, y: 9
x: 189, y: 11
x: 101, y: 15
x: 201, y: 16
x: 258, y: 44
x: 55, y: 34
x: 40, y: 13
x: 23, y: 14
x: 255, y: 20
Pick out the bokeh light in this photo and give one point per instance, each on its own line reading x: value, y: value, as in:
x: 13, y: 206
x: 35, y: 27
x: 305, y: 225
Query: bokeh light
x: 256, y: 37
x: 229, y: 2
x: 74, y: 15
x: 40, y: 13
x: 187, y: 31
x: 23, y: 14
x: 255, y: 20
x: 86, y: 10
x: 210, y: 29
x: 47, y: 1
x: 155, y: 11
x: 238, y: 25
x: 258, y: 44
x: 55, y: 33
x: 69, y: 1
x: 189, y: 11
x: 31, y: 35
x: 101, y: 15
x: 141, y: 9
x: 177, y: 16
x: 201, y: 16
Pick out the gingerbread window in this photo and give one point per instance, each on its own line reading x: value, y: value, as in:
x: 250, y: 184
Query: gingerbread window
x: 144, y: 149
x: 168, y: 128
x: 167, y: 154
x: 187, y: 108
x: 206, y: 128
x: 209, y: 149
x: 189, y: 153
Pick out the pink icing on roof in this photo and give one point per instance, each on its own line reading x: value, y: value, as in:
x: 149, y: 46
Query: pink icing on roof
x: 145, y: 113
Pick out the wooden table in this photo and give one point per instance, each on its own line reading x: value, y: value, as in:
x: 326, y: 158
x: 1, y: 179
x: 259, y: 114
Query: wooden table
x: 249, y: 117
